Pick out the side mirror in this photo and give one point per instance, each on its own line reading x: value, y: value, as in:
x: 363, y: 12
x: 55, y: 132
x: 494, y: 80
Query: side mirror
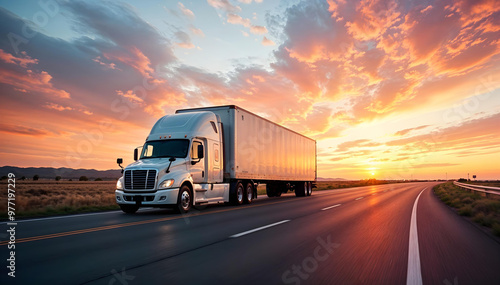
x: 200, y: 151
x: 136, y: 154
x: 120, y: 161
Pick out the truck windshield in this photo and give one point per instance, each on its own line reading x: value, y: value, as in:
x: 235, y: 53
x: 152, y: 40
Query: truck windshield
x: 165, y: 148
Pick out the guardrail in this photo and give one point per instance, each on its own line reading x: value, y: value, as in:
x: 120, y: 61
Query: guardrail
x: 479, y: 188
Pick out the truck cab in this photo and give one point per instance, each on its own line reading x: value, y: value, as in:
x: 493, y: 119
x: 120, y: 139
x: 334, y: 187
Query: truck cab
x: 179, y: 165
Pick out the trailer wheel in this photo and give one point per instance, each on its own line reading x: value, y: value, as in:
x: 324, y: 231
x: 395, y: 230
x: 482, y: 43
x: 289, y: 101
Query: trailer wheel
x: 269, y: 190
x: 129, y: 209
x: 249, y: 193
x: 184, y: 200
x: 273, y: 190
x: 277, y: 191
x: 300, y: 189
x: 309, y: 189
x: 237, y: 195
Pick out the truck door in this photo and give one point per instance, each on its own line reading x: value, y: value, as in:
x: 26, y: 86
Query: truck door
x: 198, y: 168
x: 216, y: 172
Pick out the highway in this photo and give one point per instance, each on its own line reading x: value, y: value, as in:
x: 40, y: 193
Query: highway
x: 384, y: 234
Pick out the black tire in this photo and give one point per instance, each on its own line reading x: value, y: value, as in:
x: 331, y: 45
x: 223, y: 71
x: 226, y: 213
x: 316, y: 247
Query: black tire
x: 273, y: 190
x: 300, y: 189
x: 248, y: 193
x: 277, y: 191
x: 238, y: 194
x: 129, y: 209
x: 270, y: 190
x: 184, y: 200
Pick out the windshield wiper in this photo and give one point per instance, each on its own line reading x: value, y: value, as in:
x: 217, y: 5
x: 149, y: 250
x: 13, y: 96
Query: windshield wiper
x: 172, y: 159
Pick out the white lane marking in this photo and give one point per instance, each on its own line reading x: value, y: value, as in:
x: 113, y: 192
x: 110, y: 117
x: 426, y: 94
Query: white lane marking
x: 359, y: 198
x: 258, y: 229
x: 414, y: 274
x: 327, y: 208
x: 71, y: 216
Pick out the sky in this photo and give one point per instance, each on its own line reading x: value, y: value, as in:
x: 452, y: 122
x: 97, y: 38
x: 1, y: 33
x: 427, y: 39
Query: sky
x: 388, y: 89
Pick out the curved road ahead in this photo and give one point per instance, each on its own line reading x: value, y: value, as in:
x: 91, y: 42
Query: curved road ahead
x: 385, y: 234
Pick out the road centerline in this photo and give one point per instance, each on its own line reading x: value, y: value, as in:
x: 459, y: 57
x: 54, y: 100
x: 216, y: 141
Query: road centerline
x: 259, y: 229
x: 328, y: 208
x: 359, y: 198
x: 414, y: 273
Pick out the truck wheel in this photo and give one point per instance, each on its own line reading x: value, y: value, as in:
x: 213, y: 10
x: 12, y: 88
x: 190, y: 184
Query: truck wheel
x: 300, y: 189
x: 249, y: 193
x: 184, y: 200
x: 129, y: 209
x: 270, y: 190
x: 238, y: 194
x: 309, y: 189
x: 277, y: 191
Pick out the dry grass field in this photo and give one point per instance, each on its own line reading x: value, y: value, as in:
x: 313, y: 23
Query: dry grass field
x: 37, y: 198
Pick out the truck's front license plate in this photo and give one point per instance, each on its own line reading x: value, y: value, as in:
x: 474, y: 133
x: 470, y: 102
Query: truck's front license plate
x: 138, y: 198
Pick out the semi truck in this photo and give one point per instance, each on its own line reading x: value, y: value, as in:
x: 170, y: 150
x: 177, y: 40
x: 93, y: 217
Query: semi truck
x: 211, y: 155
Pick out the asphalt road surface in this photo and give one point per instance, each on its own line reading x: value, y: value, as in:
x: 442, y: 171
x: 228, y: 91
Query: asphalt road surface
x: 385, y: 234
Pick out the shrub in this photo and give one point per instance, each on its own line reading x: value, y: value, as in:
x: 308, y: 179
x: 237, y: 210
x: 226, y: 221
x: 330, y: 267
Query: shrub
x: 456, y: 203
x: 83, y: 178
x: 58, y: 178
x: 465, y: 211
x: 36, y: 177
x: 486, y: 206
x: 496, y: 229
x: 485, y: 220
x: 98, y: 179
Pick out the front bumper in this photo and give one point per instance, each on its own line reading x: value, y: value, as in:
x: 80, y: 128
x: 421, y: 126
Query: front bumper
x: 157, y: 199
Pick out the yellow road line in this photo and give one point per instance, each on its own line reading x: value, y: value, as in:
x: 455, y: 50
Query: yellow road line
x: 110, y: 227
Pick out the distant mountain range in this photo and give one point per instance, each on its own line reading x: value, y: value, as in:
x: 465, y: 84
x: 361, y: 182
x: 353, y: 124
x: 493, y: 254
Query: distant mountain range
x: 65, y: 173
x: 331, y: 179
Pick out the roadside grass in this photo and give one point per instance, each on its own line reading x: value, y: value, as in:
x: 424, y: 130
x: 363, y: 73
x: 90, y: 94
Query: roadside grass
x: 46, y: 198
x: 481, y: 210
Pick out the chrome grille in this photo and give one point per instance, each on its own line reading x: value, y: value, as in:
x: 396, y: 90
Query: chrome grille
x: 140, y: 179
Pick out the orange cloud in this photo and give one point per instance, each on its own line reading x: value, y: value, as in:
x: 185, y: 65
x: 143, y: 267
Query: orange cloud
x: 57, y: 107
x: 21, y: 61
x: 21, y: 130
x: 134, y: 58
x: 185, y: 10
x: 267, y: 42
x: 26, y: 79
x: 259, y: 30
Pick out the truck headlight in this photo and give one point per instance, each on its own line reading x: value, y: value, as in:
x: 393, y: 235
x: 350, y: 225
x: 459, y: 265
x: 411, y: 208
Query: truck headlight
x: 166, y: 184
x: 119, y: 184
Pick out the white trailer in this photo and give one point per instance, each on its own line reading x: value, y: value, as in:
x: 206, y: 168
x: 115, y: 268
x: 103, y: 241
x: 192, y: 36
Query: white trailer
x: 215, y: 155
